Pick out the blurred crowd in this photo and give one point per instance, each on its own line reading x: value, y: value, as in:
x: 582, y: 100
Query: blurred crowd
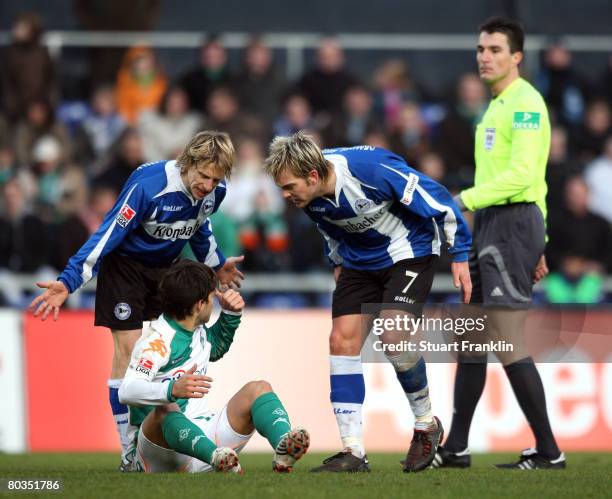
x: 62, y: 163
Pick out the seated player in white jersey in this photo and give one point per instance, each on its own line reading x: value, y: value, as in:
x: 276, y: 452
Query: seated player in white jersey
x: 166, y: 384
x: 383, y: 223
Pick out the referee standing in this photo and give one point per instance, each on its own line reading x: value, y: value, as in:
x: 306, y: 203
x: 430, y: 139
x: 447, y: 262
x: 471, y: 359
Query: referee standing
x: 507, y: 257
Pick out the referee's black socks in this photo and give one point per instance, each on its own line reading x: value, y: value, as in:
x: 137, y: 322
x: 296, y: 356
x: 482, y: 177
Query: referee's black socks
x: 469, y: 384
x: 529, y: 392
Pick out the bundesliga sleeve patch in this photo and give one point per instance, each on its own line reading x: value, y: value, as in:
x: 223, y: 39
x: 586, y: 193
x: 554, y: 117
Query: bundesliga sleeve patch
x: 125, y: 215
x: 526, y: 121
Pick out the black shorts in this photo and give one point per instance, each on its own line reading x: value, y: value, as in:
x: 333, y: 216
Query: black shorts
x: 508, y: 242
x: 404, y: 286
x: 126, y: 293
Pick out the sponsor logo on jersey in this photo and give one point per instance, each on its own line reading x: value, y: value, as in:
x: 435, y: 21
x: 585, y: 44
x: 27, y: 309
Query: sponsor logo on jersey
x: 362, y: 205
x: 123, y: 311
x: 157, y: 346
x: 176, y: 230
x: 126, y: 213
x: 411, y: 186
x: 320, y: 209
x: 172, y: 208
x: 489, y: 138
x: 526, y: 121
x: 359, y: 224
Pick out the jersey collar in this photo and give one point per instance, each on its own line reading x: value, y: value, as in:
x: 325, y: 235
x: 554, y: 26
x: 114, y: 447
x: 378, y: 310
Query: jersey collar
x: 340, y: 169
x: 176, y: 326
x: 510, y: 89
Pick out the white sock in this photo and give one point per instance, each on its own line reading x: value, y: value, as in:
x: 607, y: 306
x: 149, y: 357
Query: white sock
x: 347, y: 395
x: 120, y: 414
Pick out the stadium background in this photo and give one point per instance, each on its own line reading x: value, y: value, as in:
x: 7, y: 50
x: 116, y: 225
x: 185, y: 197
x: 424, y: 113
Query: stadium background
x: 402, y: 64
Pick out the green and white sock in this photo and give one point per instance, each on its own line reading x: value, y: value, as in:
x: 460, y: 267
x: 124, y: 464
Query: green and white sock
x: 270, y: 418
x: 186, y: 437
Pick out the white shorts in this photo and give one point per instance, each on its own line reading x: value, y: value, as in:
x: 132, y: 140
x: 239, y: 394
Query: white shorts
x: 152, y: 458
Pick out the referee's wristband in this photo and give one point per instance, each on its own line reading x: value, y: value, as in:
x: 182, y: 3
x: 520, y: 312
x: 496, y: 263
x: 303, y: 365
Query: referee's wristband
x: 169, y: 392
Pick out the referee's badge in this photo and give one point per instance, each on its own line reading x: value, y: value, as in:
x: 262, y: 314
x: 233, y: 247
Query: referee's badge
x: 489, y: 138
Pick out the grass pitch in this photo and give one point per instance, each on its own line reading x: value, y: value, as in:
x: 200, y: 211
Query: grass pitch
x: 95, y: 475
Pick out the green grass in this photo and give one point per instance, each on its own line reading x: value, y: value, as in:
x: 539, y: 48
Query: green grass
x: 95, y: 475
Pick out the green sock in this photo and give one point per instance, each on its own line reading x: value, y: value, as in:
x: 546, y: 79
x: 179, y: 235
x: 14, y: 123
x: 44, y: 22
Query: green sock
x: 187, y: 438
x: 270, y: 418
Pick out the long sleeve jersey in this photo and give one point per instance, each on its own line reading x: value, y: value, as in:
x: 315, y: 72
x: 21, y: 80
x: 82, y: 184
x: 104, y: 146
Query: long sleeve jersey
x: 165, y: 352
x: 152, y: 220
x: 383, y: 211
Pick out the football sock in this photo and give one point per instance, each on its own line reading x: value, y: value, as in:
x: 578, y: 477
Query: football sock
x: 186, y: 437
x: 529, y: 392
x: 120, y: 413
x: 270, y: 418
x: 347, y: 396
x: 469, y: 383
x: 414, y: 384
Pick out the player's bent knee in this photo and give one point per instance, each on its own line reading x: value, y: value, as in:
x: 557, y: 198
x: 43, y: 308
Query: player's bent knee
x: 161, y: 411
x: 344, y: 343
x: 258, y: 387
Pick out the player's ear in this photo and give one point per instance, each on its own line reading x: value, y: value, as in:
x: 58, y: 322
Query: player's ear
x: 517, y: 57
x: 313, y: 177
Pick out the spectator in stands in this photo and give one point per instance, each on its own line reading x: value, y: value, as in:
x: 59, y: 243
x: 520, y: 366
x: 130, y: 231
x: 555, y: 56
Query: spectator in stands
x: 589, y: 138
x: 7, y: 163
x: 598, y: 176
x: 579, y: 249
x: 377, y: 138
x: 24, y: 242
x: 432, y: 165
x: 560, y: 168
x: 129, y: 156
x: 224, y: 114
x: 394, y: 87
x: 326, y: 84
x: 212, y: 71
x: 38, y: 122
x: 350, y: 126
x: 260, y: 85
x: 27, y: 70
x: 455, y: 137
x: 255, y: 205
x: 100, y: 130
x: 297, y: 115
x: 81, y: 218
x: 409, y: 135
x: 141, y: 83
x: 166, y: 130
x: 563, y: 89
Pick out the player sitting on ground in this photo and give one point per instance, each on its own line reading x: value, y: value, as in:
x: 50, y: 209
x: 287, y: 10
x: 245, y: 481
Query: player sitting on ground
x: 166, y: 385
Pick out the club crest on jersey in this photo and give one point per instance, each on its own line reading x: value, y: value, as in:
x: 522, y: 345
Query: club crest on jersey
x: 208, y: 206
x: 362, y: 205
x: 126, y: 213
x: 123, y: 311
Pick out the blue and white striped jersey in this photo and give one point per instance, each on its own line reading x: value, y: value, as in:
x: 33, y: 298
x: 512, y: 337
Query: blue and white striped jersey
x: 384, y: 211
x: 152, y: 220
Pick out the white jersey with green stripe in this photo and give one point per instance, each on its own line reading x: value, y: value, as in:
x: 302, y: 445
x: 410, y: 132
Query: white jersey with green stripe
x: 164, y: 353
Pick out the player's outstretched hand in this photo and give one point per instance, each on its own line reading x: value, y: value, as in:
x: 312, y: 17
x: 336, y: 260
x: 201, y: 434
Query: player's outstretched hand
x: 51, y: 300
x: 541, y: 269
x: 229, y: 275
x: 461, y: 277
x: 230, y: 300
x: 191, y: 386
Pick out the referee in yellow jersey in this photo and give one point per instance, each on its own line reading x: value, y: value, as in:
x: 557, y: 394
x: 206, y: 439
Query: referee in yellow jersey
x: 507, y: 257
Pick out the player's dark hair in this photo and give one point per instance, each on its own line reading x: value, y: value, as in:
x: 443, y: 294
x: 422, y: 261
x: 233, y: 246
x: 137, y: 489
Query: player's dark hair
x: 183, y: 285
x: 509, y: 27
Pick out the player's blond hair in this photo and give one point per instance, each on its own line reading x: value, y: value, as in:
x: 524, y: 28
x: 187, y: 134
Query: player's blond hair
x: 299, y: 154
x: 208, y: 147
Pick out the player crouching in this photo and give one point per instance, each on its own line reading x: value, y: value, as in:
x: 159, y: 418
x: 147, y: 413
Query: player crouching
x: 166, y: 385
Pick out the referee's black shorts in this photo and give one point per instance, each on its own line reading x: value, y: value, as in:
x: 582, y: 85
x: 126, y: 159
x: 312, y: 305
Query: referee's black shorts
x: 508, y: 241
x: 404, y: 286
x: 126, y: 293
